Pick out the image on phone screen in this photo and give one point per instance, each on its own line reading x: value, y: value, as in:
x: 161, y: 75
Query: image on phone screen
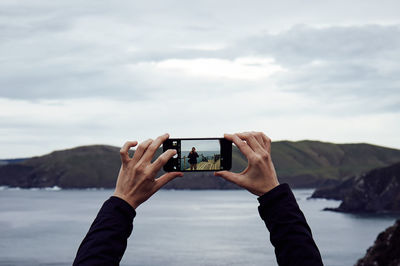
x: 198, y: 154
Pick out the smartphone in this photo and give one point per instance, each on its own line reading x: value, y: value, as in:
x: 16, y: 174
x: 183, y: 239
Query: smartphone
x: 201, y: 154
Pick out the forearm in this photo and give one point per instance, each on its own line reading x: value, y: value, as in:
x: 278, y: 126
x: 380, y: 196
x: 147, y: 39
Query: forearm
x: 106, y: 241
x: 289, y: 232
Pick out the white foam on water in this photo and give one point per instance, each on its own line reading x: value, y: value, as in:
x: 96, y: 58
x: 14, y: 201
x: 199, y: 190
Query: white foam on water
x: 54, y: 188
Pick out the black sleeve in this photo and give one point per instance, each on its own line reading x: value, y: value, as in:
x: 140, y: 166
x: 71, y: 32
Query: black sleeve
x: 106, y: 241
x: 289, y: 232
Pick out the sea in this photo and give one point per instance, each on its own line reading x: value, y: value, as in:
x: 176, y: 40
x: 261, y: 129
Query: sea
x: 174, y: 227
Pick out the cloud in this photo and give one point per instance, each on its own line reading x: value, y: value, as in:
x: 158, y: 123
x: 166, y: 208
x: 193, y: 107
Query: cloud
x: 74, y: 73
x: 240, y: 68
x: 302, y: 44
x: 359, y: 65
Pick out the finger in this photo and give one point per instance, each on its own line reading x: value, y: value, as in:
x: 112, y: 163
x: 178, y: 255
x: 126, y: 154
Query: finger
x: 243, y: 147
x: 231, y: 177
x: 252, y: 141
x: 164, y: 179
x: 267, y: 142
x: 151, y: 150
x: 124, y: 151
x: 163, y: 159
x: 259, y: 138
x: 141, y: 149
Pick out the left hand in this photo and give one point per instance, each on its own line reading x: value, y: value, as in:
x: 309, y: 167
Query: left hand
x: 136, y: 179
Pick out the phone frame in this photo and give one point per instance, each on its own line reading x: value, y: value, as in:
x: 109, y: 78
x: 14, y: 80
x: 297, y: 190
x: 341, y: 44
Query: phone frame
x: 226, y: 154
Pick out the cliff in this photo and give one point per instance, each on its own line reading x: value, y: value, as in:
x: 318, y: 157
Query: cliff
x: 386, y: 249
x: 335, y: 192
x: 375, y: 191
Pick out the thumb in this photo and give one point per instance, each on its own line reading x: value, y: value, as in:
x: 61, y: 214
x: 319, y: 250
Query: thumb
x: 164, y: 179
x: 231, y: 177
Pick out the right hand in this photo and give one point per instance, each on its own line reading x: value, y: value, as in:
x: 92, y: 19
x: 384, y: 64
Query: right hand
x: 259, y: 177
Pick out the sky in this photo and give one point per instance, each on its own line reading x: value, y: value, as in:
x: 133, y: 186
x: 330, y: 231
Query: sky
x: 203, y: 145
x: 102, y: 72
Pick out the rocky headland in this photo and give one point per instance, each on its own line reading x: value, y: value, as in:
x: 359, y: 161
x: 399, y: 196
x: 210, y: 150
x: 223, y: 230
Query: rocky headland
x: 386, y: 249
x: 377, y: 191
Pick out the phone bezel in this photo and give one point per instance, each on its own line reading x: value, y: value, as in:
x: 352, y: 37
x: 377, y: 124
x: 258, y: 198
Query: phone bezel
x: 226, y: 154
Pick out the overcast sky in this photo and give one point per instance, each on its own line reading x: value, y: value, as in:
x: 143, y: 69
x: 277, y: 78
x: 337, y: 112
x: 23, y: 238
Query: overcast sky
x: 101, y: 72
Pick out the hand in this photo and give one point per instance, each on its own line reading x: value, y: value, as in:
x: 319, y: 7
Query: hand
x: 136, y: 179
x: 259, y: 177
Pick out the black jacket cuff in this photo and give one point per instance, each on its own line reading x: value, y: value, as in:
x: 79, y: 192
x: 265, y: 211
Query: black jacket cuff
x: 274, y: 199
x: 123, y: 207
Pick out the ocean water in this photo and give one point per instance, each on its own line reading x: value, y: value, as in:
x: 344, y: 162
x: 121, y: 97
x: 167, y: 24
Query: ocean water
x: 45, y: 227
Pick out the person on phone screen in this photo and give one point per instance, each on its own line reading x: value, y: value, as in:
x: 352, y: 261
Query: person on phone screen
x: 193, y: 159
x: 106, y: 241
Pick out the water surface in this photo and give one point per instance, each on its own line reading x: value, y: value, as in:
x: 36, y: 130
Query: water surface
x: 39, y: 227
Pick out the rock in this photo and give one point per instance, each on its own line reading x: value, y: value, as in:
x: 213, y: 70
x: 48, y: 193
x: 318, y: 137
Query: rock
x: 386, y: 249
x: 335, y: 192
x: 377, y: 191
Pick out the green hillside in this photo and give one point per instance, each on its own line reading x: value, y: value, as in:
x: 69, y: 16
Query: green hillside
x: 313, y: 163
x: 86, y: 166
x: 301, y: 164
x: 305, y: 161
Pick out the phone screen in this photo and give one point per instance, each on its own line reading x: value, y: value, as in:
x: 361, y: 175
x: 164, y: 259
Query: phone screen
x: 211, y: 154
